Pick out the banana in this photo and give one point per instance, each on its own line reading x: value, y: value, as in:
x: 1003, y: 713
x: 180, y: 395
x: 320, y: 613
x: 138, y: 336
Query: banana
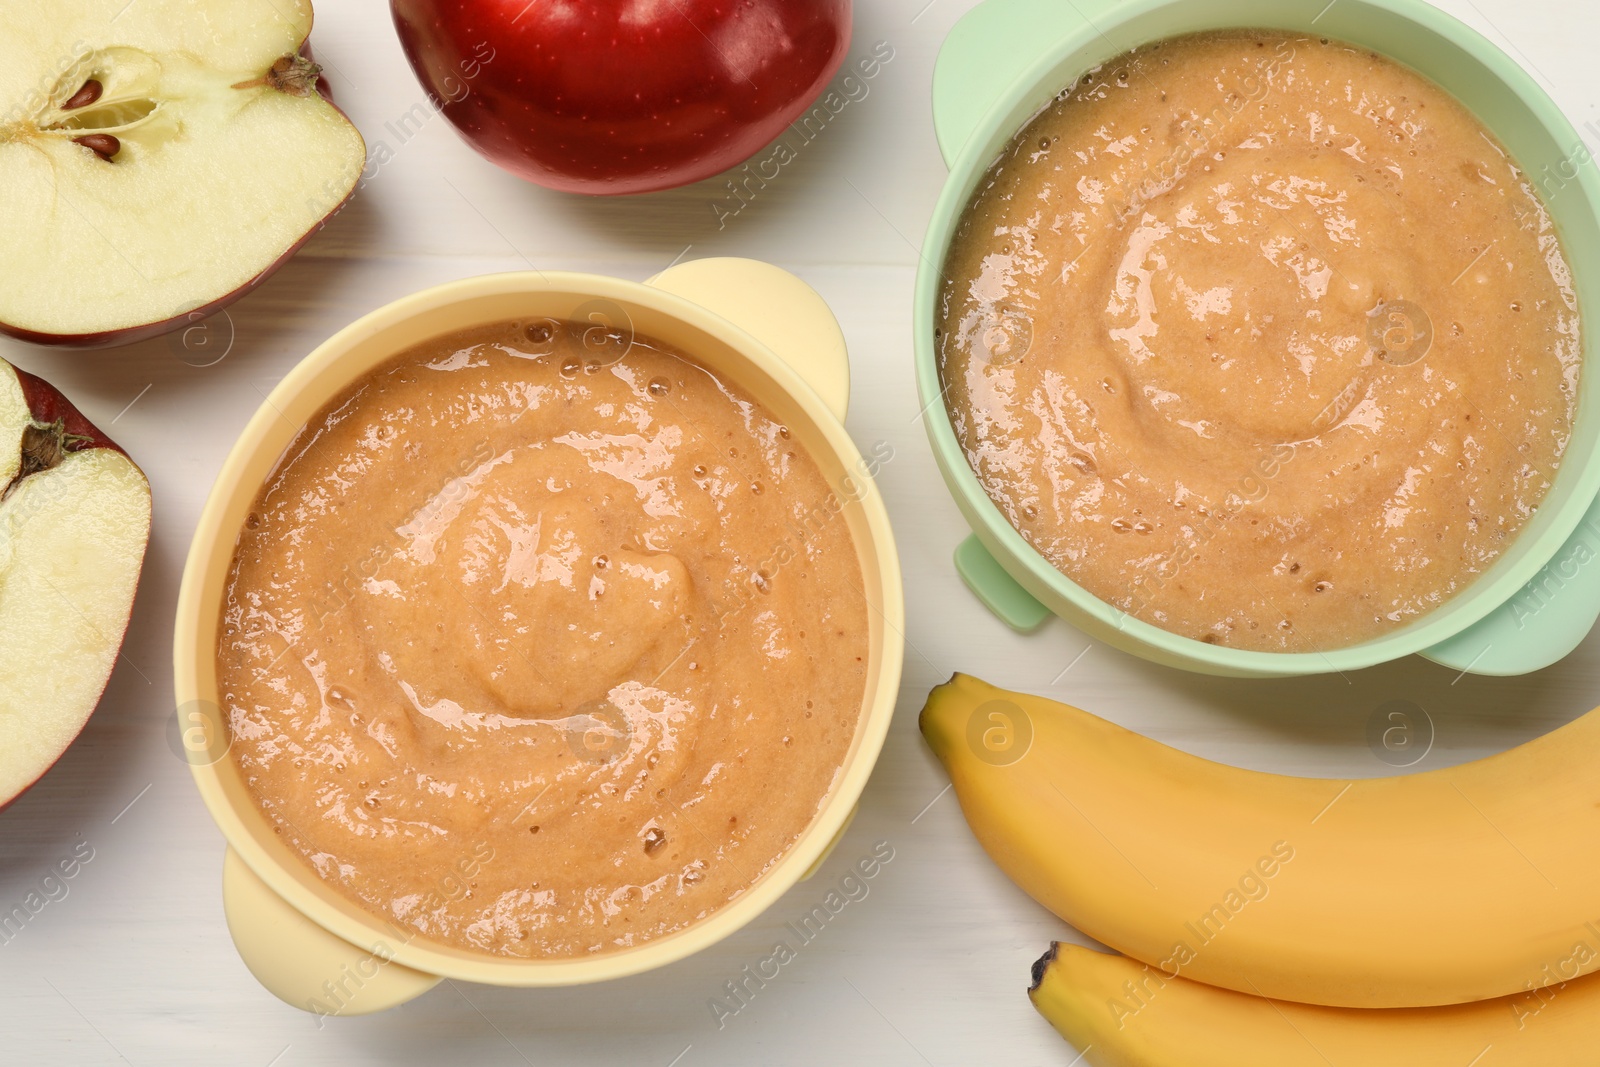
x: 1124, y: 1014
x: 1462, y: 884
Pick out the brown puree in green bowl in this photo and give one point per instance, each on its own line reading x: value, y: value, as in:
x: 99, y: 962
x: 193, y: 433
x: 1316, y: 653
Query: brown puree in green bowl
x: 1260, y: 338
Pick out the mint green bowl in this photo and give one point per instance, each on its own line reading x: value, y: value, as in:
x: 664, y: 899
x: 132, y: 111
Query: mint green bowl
x: 1006, y: 59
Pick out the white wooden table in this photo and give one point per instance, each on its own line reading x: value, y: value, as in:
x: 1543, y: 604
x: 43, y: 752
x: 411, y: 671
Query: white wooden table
x: 135, y: 964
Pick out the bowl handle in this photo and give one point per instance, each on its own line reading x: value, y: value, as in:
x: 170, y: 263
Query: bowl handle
x: 777, y: 309
x: 999, y: 592
x: 1545, y: 620
x: 987, y: 48
x: 304, y: 965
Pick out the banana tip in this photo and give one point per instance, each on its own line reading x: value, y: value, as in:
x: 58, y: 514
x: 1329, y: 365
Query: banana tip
x: 1042, y: 964
x: 925, y: 721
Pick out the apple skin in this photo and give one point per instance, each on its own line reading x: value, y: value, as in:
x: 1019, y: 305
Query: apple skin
x: 591, y: 96
x: 134, y: 334
x: 47, y: 404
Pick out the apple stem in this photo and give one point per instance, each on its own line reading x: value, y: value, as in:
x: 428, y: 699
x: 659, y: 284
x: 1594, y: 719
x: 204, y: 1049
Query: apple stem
x: 293, y: 74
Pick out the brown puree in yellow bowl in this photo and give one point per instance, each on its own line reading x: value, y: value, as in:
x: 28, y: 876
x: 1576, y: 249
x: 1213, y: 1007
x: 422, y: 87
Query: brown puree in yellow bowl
x: 542, y: 644
x: 1262, y: 339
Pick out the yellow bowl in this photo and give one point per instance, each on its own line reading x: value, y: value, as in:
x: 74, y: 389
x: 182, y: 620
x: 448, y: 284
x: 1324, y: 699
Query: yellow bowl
x: 751, y: 323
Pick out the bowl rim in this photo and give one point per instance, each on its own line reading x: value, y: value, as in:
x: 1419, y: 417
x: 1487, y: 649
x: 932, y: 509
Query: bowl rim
x: 1013, y: 551
x: 365, y: 928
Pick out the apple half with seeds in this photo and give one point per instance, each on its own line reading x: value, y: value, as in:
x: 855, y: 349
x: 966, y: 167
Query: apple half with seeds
x: 74, y: 523
x: 158, y: 159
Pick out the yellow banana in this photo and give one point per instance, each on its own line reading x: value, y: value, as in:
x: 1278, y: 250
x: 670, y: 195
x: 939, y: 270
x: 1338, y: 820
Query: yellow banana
x: 1472, y: 882
x: 1122, y: 1013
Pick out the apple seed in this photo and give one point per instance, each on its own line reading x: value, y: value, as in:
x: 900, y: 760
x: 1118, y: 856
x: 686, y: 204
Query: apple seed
x: 84, y: 97
x: 101, y: 144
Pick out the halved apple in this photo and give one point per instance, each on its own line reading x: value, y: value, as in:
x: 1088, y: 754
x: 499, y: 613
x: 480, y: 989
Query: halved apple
x: 74, y: 523
x: 157, y: 159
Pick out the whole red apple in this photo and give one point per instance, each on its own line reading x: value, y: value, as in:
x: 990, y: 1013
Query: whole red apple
x: 622, y: 96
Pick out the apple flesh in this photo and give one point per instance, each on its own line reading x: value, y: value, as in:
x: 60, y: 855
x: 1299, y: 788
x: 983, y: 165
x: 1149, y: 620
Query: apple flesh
x: 74, y: 523
x: 157, y: 159
x: 620, y: 96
